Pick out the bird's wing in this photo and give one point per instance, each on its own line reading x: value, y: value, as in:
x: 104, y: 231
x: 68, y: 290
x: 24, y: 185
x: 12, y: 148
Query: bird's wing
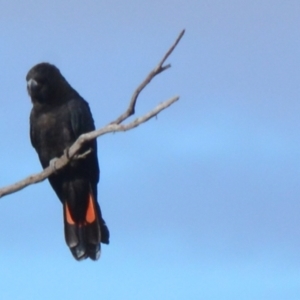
x: 32, y: 131
x: 81, y: 116
x: 82, y: 122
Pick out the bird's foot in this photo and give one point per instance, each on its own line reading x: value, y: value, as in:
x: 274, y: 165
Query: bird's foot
x: 66, y: 153
x: 52, y: 164
x: 84, y: 154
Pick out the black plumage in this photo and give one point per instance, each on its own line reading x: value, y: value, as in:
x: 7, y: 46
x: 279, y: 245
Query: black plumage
x: 58, y: 117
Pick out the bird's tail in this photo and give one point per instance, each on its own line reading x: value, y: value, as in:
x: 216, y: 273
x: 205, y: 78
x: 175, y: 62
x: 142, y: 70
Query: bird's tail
x: 84, y: 238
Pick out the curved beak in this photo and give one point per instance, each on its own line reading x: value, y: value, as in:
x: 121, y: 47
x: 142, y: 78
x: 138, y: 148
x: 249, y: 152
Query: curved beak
x: 31, y: 85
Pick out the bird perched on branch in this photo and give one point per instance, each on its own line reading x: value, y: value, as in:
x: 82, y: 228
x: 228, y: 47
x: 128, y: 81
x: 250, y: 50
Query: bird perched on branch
x: 58, y: 117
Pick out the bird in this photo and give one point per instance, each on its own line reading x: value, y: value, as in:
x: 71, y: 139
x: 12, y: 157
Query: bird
x: 59, y: 115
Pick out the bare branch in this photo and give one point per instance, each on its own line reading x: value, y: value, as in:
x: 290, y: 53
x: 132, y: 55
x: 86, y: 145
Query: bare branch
x: 157, y: 70
x: 83, y: 155
x: 114, y: 126
x: 64, y: 159
x: 171, y: 50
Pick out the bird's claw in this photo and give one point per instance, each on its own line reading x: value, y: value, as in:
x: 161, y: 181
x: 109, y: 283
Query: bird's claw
x: 66, y: 153
x: 52, y: 163
x: 84, y: 154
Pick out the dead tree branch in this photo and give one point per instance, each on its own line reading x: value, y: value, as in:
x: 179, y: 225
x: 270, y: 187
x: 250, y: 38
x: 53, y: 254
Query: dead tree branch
x: 114, y: 126
x: 157, y: 70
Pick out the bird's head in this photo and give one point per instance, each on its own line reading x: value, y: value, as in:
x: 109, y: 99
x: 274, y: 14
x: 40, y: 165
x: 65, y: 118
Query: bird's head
x: 45, y: 84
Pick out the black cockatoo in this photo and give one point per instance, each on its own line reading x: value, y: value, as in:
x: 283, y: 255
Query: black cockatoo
x: 58, y: 117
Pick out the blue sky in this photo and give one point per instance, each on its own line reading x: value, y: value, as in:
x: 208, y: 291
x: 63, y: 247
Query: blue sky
x: 202, y: 203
